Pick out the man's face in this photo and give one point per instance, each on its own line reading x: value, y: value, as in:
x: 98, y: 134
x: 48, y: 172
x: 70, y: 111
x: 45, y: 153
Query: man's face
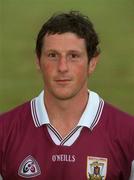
x: 64, y: 65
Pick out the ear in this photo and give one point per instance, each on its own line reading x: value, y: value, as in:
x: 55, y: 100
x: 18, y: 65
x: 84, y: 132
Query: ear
x: 37, y: 63
x: 92, y: 64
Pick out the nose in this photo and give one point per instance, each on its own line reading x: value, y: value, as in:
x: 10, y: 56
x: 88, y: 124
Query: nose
x: 62, y: 65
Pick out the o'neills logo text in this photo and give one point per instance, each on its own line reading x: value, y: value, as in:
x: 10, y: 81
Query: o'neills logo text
x: 63, y: 157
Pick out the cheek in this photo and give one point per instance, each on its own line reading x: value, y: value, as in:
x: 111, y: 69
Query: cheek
x: 83, y: 70
x: 46, y: 74
x: 46, y: 69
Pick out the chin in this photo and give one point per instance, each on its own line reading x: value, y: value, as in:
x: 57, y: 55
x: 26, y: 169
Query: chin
x: 64, y: 96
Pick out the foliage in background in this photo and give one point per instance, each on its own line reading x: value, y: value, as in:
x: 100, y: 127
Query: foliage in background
x: 20, y: 22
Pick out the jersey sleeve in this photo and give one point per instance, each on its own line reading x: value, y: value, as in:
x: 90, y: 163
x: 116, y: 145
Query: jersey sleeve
x: 132, y: 151
x: 132, y: 171
x: 1, y: 143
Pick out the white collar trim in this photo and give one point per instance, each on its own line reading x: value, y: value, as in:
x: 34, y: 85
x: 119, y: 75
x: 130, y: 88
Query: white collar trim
x: 89, y: 118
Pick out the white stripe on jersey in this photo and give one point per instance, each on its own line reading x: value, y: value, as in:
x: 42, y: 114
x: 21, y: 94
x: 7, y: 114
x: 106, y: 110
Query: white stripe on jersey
x: 132, y: 171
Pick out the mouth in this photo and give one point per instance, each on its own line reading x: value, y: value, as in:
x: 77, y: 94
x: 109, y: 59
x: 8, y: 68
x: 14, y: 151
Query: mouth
x: 62, y: 81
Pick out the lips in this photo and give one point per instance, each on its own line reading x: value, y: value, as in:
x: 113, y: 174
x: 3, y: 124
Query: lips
x: 62, y: 81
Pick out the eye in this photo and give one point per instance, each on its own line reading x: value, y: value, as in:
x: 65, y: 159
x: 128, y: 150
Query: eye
x: 73, y: 56
x: 52, y: 54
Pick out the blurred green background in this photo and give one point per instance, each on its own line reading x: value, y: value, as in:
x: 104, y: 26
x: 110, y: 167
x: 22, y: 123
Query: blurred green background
x: 20, y: 21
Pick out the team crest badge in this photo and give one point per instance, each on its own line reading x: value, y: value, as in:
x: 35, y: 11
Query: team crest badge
x: 96, y: 168
x: 29, y: 168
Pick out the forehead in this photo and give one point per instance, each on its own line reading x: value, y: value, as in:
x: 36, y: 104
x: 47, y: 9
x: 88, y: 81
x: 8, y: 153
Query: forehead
x: 64, y: 41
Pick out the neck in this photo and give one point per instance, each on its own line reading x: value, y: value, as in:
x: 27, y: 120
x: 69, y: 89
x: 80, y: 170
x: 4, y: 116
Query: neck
x: 64, y: 115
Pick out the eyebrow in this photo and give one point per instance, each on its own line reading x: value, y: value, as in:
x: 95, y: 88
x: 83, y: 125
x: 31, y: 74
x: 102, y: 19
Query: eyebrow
x: 56, y: 50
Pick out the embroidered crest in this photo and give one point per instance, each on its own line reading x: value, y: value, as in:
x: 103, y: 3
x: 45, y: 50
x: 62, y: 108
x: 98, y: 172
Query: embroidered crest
x: 29, y: 168
x: 96, y: 168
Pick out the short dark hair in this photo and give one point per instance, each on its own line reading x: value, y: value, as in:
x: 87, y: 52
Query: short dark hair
x: 74, y: 22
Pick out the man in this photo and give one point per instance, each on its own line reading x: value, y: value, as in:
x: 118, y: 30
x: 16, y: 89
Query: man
x: 68, y: 132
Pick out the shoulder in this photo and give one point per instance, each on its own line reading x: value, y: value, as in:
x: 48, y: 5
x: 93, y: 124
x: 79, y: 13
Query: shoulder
x: 114, y: 113
x: 119, y: 127
x: 117, y: 123
x: 14, y: 123
x: 17, y: 113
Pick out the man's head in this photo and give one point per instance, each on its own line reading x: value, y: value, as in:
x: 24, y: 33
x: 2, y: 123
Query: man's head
x: 73, y: 22
x: 66, y: 55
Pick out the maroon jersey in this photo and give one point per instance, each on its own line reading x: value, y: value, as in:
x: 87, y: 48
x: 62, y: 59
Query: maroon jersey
x: 35, y: 150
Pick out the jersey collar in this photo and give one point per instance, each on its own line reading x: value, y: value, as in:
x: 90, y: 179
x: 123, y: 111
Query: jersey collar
x: 89, y: 118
